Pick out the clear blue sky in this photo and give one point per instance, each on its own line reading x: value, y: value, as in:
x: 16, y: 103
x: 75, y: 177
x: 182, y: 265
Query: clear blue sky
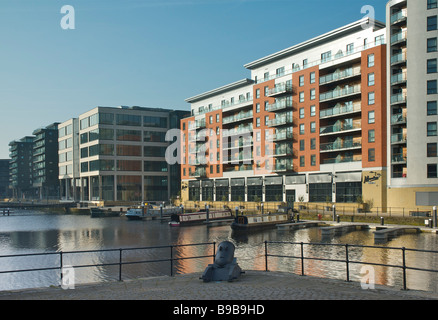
x: 152, y: 53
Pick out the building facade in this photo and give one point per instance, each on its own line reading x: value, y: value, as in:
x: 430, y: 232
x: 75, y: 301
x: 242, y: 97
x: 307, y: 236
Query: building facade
x: 4, y: 179
x: 20, y: 169
x: 309, y: 124
x: 115, y: 155
x: 45, y: 162
x: 412, y: 54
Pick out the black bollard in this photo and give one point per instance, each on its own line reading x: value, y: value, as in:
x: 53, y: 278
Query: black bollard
x: 382, y: 221
x: 338, y: 218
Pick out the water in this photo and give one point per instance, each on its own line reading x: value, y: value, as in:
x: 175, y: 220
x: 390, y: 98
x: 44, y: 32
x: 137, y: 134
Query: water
x: 36, y: 232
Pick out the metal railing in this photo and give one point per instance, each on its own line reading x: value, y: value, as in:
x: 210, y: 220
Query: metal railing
x: 120, y: 263
x: 347, y: 259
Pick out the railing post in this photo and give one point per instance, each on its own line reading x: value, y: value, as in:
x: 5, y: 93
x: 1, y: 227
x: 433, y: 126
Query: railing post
x: 347, y: 261
x: 60, y: 264
x: 120, y: 264
x: 266, y: 255
x: 404, y: 268
x: 214, y: 250
x: 302, y: 258
x: 171, y: 261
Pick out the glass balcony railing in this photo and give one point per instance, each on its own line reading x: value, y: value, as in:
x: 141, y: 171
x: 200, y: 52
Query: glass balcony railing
x: 339, y: 145
x: 400, y: 36
x: 350, y: 72
x: 239, y: 130
x: 398, y: 98
x: 340, y: 109
x: 400, y: 77
x: 398, y: 138
x: 280, y: 89
x: 398, y: 158
x: 282, y: 135
x: 396, y: 58
x: 238, y: 117
x: 398, y: 118
x: 399, y: 16
x: 279, y: 121
x: 338, y: 93
x: 339, y: 128
x: 283, y: 165
x: 279, y: 105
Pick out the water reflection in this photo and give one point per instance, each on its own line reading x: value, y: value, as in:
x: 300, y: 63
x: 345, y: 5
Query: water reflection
x: 37, y: 232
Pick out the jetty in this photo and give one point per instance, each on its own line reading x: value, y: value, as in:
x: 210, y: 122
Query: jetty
x: 343, y: 228
x: 300, y: 225
x: 383, y: 234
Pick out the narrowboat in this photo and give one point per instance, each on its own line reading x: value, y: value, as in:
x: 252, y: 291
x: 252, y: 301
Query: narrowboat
x: 199, y: 217
x: 259, y: 222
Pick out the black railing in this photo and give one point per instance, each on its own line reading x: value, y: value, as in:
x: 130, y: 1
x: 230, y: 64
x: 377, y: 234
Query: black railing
x: 119, y: 263
x: 347, y: 260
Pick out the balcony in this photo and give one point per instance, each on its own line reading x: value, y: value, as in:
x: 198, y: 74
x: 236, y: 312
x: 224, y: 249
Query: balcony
x: 241, y: 116
x: 340, y: 93
x: 398, y: 38
x: 399, y: 138
x: 279, y: 105
x: 239, y: 157
x: 398, y: 158
x: 340, y: 145
x: 398, y: 58
x: 398, y: 98
x: 282, y: 135
x: 399, y: 17
x: 339, y: 128
x: 241, y: 130
x: 281, y: 88
x: 340, y: 109
x: 339, y: 75
x: 398, y: 119
x: 282, y: 150
x: 241, y: 143
x: 282, y: 165
x: 198, y: 173
x: 240, y: 103
x: 342, y: 159
x: 280, y: 121
x: 399, y: 78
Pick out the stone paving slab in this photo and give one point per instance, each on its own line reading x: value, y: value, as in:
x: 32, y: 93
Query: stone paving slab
x: 253, y: 285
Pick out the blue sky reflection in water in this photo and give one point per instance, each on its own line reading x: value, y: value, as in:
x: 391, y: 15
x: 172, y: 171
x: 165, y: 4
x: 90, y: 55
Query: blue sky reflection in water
x: 32, y: 232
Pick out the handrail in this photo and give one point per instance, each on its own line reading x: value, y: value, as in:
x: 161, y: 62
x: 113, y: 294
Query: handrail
x: 347, y: 261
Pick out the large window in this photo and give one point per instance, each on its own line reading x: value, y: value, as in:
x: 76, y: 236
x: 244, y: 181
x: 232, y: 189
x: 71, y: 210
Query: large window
x: 432, y: 87
x: 128, y: 165
x: 129, y: 188
x: 158, y: 166
x: 432, y: 4
x: 431, y: 129
x: 157, y: 122
x: 432, y: 45
x: 128, y: 135
x: 131, y: 151
x: 156, y: 188
x: 154, y: 151
x: 432, y: 171
x: 274, y: 193
x: 347, y: 192
x: 320, y: 192
x: 128, y: 120
x: 431, y: 23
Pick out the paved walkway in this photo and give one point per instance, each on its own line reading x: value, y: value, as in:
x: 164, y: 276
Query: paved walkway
x: 253, y: 285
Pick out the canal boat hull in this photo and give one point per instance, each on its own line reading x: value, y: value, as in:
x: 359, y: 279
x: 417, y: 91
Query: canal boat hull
x: 259, y: 222
x: 198, y: 217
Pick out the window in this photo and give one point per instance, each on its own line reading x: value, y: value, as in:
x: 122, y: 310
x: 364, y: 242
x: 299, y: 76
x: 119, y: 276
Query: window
x: 431, y: 66
x: 301, y: 113
x: 266, y: 120
x: 379, y: 40
x: 302, y: 162
x: 312, y: 144
x: 432, y: 171
x: 266, y: 91
x: 371, y: 81
x: 266, y: 105
x: 210, y: 119
x: 432, y: 149
x: 266, y: 76
x: 301, y: 81
x: 371, y: 118
x: 326, y: 56
x: 302, y: 96
x: 431, y: 23
x: 432, y: 4
x: 217, y: 118
x: 371, y: 60
x: 431, y: 129
x: 257, y: 107
x: 431, y: 45
x: 313, y: 127
x: 312, y: 111
x: 279, y: 72
x: 312, y: 77
x: 305, y: 62
x: 371, y: 136
x: 371, y: 98
x: 431, y: 108
x: 350, y: 48
x: 257, y: 93
x: 302, y: 128
x: 313, y: 160
x: 258, y: 136
x: 128, y: 120
x: 432, y: 87
x: 257, y: 122
x: 371, y: 155
x: 301, y: 145
x: 312, y: 94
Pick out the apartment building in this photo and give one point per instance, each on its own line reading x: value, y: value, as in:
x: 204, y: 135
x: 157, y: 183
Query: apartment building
x: 118, y: 155
x: 20, y: 167
x: 412, y: 54
x: 309, y: 124
x: 4, y: 179
x: 45, y: 162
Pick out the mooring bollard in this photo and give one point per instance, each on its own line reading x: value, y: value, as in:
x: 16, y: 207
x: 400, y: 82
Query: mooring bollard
x: 334, y: 213
x: 382, y: 221
x: 435, y: 218
x: 338, y: 218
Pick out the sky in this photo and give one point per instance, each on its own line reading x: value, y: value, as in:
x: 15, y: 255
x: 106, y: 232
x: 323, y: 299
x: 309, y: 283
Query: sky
x: 149, y: 53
